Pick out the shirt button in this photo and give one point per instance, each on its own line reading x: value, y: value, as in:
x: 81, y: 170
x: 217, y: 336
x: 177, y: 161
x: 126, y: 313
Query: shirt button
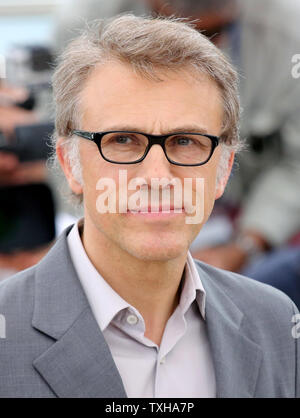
x: 162, y: 360
x: 132, y: 319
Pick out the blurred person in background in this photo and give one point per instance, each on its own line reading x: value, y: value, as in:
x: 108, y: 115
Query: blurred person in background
x: 31, y: 209
x: 23, y: 190
x: 13, y: 173
x: 270, y: 171
x: 17, y: 178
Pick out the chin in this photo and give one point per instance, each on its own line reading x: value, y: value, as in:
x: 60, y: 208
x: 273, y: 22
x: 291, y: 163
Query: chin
x: 157, y: 250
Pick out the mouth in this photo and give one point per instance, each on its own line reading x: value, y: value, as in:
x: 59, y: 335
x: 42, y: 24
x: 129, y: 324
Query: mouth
x: 157, y: 209
x: 158, y: 213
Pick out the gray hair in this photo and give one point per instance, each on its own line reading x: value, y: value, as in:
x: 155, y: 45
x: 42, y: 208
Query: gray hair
x: 148, y: 44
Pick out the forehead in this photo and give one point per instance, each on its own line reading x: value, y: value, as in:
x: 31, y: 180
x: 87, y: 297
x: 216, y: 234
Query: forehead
x: 115, y: 95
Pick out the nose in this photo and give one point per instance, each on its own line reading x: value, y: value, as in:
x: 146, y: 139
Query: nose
x: 155, y: 165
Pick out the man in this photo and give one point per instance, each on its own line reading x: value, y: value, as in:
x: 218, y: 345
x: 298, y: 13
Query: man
x: 118, y: 307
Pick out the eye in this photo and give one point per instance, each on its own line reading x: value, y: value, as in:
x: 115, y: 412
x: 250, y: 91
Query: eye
x: 122, y: 139
x: 195, y: 142
x: 182, y: 140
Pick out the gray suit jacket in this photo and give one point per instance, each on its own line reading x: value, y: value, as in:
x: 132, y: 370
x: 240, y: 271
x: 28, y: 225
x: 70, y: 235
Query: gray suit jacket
x: 52, y: 345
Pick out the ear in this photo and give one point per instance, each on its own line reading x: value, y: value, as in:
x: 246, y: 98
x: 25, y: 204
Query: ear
x: 64, y: 161
x: 223, y: 181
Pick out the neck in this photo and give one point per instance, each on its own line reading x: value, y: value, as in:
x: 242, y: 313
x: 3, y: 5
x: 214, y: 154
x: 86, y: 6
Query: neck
x: 152, y: 287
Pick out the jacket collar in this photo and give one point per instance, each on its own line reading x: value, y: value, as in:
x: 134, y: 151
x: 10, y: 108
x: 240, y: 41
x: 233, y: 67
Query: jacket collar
x: 79, y: 363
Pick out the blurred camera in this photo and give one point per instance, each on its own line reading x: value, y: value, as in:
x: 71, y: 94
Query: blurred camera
x: 30, y: 142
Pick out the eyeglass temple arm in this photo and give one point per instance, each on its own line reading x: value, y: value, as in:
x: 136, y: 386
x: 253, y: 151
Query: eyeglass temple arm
x: 84, y: 134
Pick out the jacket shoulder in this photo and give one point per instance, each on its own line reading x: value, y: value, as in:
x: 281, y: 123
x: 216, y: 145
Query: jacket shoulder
x: 17, y: 297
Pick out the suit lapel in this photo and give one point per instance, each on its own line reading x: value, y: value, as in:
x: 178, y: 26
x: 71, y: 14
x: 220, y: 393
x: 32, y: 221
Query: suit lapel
x: 79, y: 363
x: 236, y: 357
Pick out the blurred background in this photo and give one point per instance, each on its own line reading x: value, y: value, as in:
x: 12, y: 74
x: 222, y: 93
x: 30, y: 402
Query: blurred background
x: 255, y: 227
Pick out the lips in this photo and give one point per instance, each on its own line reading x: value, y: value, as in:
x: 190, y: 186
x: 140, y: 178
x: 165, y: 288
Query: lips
x: 157, y: 209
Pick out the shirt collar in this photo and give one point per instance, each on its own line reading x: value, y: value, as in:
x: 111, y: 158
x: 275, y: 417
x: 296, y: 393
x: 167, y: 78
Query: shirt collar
x: 192, y: 288
x: 105, y: 302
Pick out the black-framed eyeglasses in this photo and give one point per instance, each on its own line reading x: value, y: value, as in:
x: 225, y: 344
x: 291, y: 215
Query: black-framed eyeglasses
x: 129, y: 147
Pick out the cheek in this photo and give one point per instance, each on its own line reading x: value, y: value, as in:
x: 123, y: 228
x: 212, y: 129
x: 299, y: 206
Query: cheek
x: 94, y: 168
x: 210, y: 186
x: 96, y: 186
x: 208, y: 192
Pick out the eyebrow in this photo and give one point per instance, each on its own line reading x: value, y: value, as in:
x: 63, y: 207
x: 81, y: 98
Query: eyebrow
x: 184, y: 128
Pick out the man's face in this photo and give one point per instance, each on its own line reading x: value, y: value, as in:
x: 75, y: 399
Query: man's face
x: 115, y: 98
